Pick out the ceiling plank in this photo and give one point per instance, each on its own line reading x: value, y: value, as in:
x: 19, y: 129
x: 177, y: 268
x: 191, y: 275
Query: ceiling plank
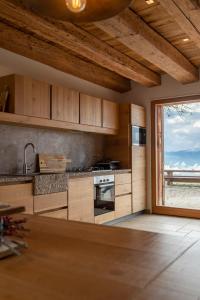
x: 26, y: 45
x: 187, y: 14
x: 129, y: 29
x: 70, y: 37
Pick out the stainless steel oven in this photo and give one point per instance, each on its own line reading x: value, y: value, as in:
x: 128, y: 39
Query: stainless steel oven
x: 104, y: 194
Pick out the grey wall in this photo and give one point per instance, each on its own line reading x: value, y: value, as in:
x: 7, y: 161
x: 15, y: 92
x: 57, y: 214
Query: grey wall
x: 83, y: 148
x: 144, y: 96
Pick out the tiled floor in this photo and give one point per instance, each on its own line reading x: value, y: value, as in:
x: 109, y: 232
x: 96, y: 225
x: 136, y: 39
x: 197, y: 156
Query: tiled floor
x: 164, y: 224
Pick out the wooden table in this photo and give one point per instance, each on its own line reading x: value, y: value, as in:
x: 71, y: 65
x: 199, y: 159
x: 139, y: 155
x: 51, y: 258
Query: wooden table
x: 76, y: 261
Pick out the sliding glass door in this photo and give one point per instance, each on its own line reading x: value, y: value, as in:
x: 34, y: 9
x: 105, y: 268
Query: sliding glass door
x: 176, y: 157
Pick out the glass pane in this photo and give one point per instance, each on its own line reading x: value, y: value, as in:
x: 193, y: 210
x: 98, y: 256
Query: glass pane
x: 181, y: 140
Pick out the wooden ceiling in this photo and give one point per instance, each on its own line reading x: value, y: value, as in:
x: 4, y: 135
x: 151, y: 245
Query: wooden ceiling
x: 140, y: 44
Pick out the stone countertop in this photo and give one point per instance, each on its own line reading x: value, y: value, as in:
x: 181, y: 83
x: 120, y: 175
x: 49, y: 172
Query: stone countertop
x: 44, y: 184
x: 12, y: 179
x: 98, y: 173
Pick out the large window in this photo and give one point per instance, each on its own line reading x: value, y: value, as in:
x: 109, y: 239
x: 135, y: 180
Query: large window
x: 176, y: 157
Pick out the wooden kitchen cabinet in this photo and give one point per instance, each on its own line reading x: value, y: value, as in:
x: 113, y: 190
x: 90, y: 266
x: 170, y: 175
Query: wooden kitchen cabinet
x: 123, y: 189
x: 139, y: 178
x: 39, y: 104
x: 27, y: 96
x: 81, y: 199
x: 64, y: 104
x: 18, y: 195
x: 123, y: 195
x: 57, y: 214
x: 123, y: 206
x: 107, y: 217
x: 110, y: 114
x: 120, y: 147
x: 50, y: 201
x: 138, y: 115
x: 90, y: 110
x: 138, y: 118
x: 123, y: 178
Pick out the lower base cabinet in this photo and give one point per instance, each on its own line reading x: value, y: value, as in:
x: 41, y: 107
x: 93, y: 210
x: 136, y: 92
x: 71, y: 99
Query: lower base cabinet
x: 81, y: 199
x: 139, y: 178
x: 57, y: 214
x: 123, y: 195
x: 47, y: 202
x: 110, y: 216
x: 123, y: 206
x: 76, y: 205
x: 18, y: 195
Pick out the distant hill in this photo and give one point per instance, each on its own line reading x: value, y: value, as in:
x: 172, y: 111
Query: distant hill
x: 183, y: 159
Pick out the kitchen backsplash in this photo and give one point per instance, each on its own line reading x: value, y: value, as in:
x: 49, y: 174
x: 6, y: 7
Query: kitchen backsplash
x: 84, y: 149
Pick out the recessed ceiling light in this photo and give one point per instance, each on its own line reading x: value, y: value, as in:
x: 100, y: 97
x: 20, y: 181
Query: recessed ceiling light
x: 186, y: 40
x: 149, y: 2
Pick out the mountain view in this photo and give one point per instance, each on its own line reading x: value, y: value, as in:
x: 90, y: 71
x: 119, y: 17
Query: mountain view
x: 182, y: 160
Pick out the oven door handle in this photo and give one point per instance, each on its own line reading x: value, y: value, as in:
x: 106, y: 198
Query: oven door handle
x: 105, y: 185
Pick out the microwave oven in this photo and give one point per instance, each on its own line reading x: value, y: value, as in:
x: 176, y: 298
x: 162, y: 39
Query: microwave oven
x: 138, y: 136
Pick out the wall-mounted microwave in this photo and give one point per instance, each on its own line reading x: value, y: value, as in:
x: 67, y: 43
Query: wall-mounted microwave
x: 138, y: 136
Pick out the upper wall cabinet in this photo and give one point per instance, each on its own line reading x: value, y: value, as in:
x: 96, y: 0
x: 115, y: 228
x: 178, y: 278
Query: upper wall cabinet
x: 110, y: 114
x: 138, y: 116
x: 57, y: 107
x: 90, y: 110
x: 65, y: 104
x: 27, y: 96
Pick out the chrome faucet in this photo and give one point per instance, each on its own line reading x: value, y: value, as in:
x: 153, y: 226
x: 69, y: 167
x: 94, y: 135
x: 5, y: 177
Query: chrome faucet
x: 26, y: 168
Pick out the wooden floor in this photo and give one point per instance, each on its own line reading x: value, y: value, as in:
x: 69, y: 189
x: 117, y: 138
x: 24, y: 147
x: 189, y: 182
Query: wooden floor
x: 75, y: 261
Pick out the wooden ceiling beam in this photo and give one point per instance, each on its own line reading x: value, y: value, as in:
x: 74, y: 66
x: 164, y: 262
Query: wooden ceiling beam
x: 186, y: 13
x: 26, y: 45
x: 69, y: 37
x: 132, y: 31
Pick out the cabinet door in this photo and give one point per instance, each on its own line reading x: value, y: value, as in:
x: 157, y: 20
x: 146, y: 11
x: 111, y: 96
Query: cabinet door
x: 18, y: 195
x: 139, y: 178
x: 50, y: 201
x: 101, y: 219
x: 110, y: 114
x: 138, y: 116
x: 90, y: 111
x: 122, y: 189
x: 57, y: 214
x: 123, y: 206
x: 32, y: 97
x: 123, y: 178
x: 65, y: 104
x: 81, y: 200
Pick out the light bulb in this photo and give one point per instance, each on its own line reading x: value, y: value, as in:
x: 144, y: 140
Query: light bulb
x: 76, y: 6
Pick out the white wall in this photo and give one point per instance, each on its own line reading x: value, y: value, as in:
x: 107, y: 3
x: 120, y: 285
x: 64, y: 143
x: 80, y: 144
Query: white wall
x: 11, y: 63
x: 143, y: 96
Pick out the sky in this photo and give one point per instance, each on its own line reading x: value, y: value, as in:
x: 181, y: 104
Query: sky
x: 182, y: 132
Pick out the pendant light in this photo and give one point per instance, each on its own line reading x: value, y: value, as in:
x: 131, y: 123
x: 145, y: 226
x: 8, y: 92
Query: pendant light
x: 76, y: 6
x: 76, y: 11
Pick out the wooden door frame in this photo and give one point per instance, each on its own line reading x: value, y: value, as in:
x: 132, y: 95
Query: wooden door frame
x: 156, y: 209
